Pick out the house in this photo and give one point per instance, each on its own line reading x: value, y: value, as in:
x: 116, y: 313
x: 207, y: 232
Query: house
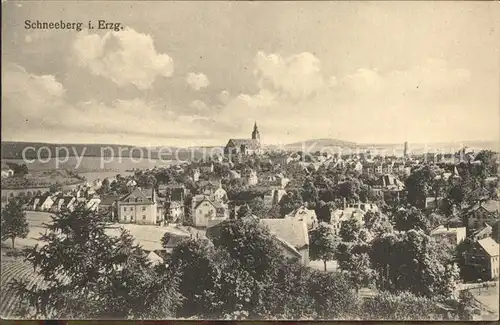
x: 340, y: 215
x: 140, y: 207
x: 369, y: 168
x: 391, y: 183
x: 220, y: 194
x: 452, y: 235
x: 482, y: 233
x: 305, y: 215
x: 234, y: 174
x: 7, y: 172
x: 41, y: 203
x: 252, y: 178
x: 174, y: 211
x: 482, y: 212
x: 93, y: 204
x: 483, y: 257
x: 433, y: 203
x: 365, y: 207
x: 273, y: 197
x: 174, y: 192
x: 244, y: 146
x: 205, y: 208
x: 64, y: 203
x: 108, y: 205
x: 292, y: 236
x: 203, y: 167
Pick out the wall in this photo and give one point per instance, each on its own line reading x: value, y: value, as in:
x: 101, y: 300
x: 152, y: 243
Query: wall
x: 202, y: 213
x: 141, y: 213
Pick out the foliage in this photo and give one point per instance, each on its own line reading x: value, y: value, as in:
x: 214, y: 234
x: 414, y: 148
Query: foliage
x: 89, y: 274
x: 257, y: 207
x: 14, y: 223
x: 350, y: 229
x: 399, y: 306
x: 323, y: 211
x: 419, y: 185
x: 412, y: 261
x: 19, y: 169
x: 322, y: 243
x: 54, y: 188
x: 411, y: 218
x: 251, y: 245
x: 354, y: 262
x: 289, y: 202
x: 333, y: 296
x: 309, y: 192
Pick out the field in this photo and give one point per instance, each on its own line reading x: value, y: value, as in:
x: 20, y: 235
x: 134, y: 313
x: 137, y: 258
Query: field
x: 14, y: 268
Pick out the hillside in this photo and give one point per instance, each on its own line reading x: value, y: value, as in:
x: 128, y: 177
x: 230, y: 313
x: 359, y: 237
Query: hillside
x: 318, y: 144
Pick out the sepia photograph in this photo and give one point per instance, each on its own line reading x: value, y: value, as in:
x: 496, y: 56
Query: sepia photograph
x: 250, y: 160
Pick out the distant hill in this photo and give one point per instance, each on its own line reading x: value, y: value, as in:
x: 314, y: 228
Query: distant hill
x: 14, y: 149
x: 318, y: 144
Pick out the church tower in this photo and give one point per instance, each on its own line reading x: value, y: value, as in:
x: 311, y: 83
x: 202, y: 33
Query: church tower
x: 255, y: 133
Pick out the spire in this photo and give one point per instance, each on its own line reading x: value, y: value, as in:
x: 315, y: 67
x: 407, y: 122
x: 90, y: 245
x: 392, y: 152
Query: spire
x: 255, y: 133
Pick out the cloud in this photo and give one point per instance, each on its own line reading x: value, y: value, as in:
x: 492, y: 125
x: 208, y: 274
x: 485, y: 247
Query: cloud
x: 198, y: 106
x: 297, y: 76
x: 224, y: 97
x: 125, y: 57
x: 35, y: 106
x: 295, y: 101
x: 197, y: 81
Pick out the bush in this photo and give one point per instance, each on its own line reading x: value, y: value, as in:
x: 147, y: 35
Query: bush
x: 399, y: 306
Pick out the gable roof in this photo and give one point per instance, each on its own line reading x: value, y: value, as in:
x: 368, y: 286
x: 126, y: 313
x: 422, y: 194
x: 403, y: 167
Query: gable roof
x: 109, y: 199
x: 199, y: 199
x: 249, y: 143
x: 292, y: 231
x: 489, y: 245
x: 141, y: 193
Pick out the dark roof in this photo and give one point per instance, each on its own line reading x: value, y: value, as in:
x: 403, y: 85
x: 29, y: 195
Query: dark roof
x: 249, y: 143
x: 109, y: 199
x: 141, y: 193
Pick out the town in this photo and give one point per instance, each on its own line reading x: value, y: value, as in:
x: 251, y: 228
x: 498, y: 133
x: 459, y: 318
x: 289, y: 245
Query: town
x: 331, y: 213
x: 250, y: 161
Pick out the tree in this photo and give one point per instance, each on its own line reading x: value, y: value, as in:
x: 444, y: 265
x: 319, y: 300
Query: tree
x: 88, y: 273
x: 309, y: 192
x: 19, y: 169
x: 54, y: 188
x: 14, y: 223
x: 399, y: 306
x: 257, y: 207
x: 323, y: 211
x: 354, y: 262
x: 413, y: 261
x: 412, y: 218
x: 418, y: 186
x: 289, y: 202
x: 322, y: 244
x: 349, y: 230
x: 333, y: 296
x: 251, y: 244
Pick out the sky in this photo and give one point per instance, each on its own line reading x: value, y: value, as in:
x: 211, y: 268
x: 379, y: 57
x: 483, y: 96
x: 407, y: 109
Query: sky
x: 199, y: 73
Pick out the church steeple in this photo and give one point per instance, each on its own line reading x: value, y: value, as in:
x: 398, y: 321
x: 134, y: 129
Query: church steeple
x: 255, y: 133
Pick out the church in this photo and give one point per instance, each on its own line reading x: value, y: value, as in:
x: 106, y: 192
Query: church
x: 245, y: 146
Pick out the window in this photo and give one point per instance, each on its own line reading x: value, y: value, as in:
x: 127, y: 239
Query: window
x: 124, y: 208
x: 143, y: 217
x: 143, y: 208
